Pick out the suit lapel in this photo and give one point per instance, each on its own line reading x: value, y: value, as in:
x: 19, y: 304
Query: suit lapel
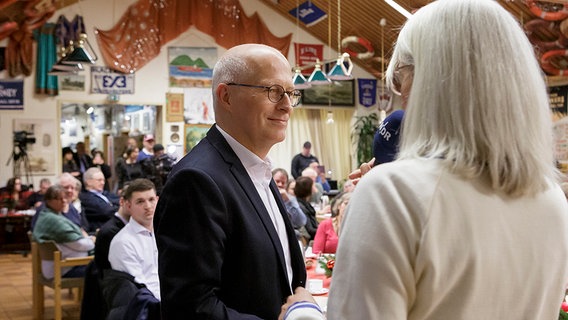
x: 243, y: 179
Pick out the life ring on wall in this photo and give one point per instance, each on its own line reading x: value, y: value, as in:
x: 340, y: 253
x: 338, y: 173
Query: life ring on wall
x: 561, y: 41
x: 369, y: 53
x: 548, y: 15
x: 548, y: 67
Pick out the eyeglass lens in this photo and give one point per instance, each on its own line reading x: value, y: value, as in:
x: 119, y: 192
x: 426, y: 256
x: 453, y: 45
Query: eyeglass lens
x: 276, y: 93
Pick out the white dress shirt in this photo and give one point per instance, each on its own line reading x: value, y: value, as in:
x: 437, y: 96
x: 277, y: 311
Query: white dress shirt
x: 133, y: 250
x: 260, y: 173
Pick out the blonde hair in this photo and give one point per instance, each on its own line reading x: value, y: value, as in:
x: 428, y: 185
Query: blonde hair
x: 478, y: 99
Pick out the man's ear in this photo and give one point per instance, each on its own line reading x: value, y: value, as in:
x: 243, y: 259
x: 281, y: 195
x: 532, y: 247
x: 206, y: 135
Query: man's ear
x: 223, y: 96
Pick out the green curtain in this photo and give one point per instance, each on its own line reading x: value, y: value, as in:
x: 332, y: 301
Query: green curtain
x: 46, y: 57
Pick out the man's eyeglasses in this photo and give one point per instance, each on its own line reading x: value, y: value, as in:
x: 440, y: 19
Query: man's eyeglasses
x: 275, y: 92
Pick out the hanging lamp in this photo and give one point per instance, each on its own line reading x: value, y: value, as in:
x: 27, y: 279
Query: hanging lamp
x: 79, y: 54
x: 318, y: 78
x: 339, y: 70
x: 299, y: 80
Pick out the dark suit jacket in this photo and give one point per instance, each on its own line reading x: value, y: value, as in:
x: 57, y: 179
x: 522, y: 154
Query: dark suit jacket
x: 219, y: 254
x: 96, y: 209
x: 104, y: 237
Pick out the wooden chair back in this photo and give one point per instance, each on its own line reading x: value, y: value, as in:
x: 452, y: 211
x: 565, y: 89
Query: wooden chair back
x: 48, y: 251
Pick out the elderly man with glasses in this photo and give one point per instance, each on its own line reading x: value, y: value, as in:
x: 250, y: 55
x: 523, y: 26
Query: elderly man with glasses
x: 226, y: 246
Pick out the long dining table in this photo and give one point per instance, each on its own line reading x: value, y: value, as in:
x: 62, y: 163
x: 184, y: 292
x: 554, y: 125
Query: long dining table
x: 313, y: 272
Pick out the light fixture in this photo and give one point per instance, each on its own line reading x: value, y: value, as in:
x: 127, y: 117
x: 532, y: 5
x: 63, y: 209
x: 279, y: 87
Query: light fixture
x: 76, y: 52
x: 79, y: 54
x: 330, y: 118
x: 339, y: 71
x: 398, y: 8
x: 318, y: 78
x: 62, y: 73
x: 59, y: 68
x: 299, y: 80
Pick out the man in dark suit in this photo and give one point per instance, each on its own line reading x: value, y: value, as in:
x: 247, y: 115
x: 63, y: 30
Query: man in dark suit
x: 82, y: 159
x: 227, y: 249
x: 107, y: 232
x: 99, y: 205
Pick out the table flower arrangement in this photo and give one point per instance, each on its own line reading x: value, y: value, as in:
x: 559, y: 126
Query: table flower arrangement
x: 327, y: 262
x: 563, y: 311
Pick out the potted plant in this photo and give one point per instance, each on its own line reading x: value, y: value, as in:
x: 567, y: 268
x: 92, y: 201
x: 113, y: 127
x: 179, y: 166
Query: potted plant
x: 362, y: 135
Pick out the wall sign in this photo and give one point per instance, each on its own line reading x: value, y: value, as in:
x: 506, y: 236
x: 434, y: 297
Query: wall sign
x: 12, y: 95
x: 107, y: 81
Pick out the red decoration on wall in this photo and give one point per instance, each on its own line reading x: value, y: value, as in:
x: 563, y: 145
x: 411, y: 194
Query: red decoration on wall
x: 149, y: 24
x: 19, y: 52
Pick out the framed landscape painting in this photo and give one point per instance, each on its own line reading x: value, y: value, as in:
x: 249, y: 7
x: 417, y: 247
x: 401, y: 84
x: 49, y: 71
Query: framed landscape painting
x: 193, y: 134
x: 337, y: 93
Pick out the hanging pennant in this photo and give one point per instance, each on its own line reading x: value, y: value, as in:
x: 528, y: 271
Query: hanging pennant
x: 367, y: 92
x: 308, y: 54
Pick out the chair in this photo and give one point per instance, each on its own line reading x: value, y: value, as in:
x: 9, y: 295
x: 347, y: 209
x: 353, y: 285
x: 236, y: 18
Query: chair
x: 49, y: 251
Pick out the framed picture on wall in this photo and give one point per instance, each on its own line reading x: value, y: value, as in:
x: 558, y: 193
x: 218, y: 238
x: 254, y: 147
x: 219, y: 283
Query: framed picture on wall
x: 337, y: 93
x: 193, y: 134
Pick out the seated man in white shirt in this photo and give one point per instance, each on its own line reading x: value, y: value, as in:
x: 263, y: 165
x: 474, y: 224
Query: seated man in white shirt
x: 133, y: 250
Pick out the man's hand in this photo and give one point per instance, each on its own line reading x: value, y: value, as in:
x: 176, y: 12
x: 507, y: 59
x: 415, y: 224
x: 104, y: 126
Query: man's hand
x: 363, y: 169
x: 284, y: 195
x: 301, y: 294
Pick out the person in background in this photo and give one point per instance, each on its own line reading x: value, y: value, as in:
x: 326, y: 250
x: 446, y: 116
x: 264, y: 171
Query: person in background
x: 290, y: 187
x: 74, y: 211
x: 69, y: 164
x: 13, y: 195
x: 36, y: 199
x: 133, y: 249
x: 303, y: 191
x: 68, y: 237
x: 302, y: 160
x: 385, y: 142
x: 227, y: 248
x: 317, y: 191
x: 99, y: 205
x: 99, y: 162
x: 158, y: 167
x: 348, y: 186
x: 82, y: 159
x: 458, y: 220
x: 129, y: 169
x: 107, y: 232
x: 296, y: 215
x: 321, y: 179
x: 327, y: 234
x: 148, y: 149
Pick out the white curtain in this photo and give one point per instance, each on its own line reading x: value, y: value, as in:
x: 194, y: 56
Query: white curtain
x: 331, y: 143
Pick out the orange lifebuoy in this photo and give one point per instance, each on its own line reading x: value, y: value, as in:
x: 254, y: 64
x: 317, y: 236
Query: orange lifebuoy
x: 561, y: 41
x: 557, y: 15
x: 547, y: 65
x: 369, y: 53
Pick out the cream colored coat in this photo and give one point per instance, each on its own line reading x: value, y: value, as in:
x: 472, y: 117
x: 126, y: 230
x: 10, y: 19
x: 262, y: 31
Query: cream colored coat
x: 420, y: 243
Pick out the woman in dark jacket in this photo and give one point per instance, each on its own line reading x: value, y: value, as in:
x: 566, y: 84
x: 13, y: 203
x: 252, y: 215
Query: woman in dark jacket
x: 69, y: 164
x: 303, y: 192
x: 129, y: 169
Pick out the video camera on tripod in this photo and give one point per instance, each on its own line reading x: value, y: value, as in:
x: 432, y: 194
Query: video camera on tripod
x: 19, y: 154
x: 22, y: 139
